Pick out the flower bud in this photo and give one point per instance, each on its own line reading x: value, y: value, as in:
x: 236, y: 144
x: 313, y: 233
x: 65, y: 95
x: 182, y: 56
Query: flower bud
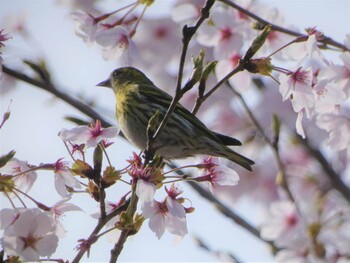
x: 257, y: 43
x: 7, y: 157
x: 98, y: 156
x: 83, y: 169
x: 146, y: 2
x: 110, y: 176
x: 94, y: 191
x: 6, y: 183
x: 261, y: 66
x: 276, y: 127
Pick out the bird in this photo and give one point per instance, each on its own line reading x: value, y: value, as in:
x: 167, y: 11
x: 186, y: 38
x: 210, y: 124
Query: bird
x: 184, y: 135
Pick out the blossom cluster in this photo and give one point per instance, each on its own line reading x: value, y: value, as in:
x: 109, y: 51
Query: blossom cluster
x: 33, y: 233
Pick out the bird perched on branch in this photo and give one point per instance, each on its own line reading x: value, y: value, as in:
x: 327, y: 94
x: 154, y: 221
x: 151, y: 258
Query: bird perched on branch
x: 184, y: 135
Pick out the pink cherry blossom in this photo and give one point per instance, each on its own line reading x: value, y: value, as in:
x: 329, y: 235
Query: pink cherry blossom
x: 187, y: 11
x: 328, y: 96
x: 23, y: 180
x: 117, y: 44
x: 242, y: 81
x: 222, y: 33
x: 8, y: 217
x: 145, y: 190
x: 3, y: 38
x: 217, y: 175
x: 282, y: 224
x: 341, y: 73
x: 86, y: 26
x: 174, y: 207
x: 31, y: 236
x: 299, y: 85
x: 160, y: 218
x: 154, y: 33
x: 302, y: 51
x: 338, y: 128
x: 58, y: 210
x: 63, y: 178
x: 88, y: 135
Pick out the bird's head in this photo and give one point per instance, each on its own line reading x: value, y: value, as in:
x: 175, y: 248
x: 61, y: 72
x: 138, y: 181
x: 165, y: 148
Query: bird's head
x: 121, y: 77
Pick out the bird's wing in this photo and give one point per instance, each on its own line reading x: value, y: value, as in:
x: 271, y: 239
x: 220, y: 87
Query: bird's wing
x: 152, y: 94
x: 227, y: 140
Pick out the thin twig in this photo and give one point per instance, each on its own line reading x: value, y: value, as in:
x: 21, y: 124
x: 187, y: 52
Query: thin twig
x: 229, y: 213
x: 81, y: 106
x: 188, y: 33
x: 101, y: 223
x: 118, y: 247
x: 326, y: 40
x: 332, y: 175
x: 274, y: 147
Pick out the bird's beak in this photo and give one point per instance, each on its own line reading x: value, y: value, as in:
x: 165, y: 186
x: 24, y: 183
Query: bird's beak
x: 105, y: 83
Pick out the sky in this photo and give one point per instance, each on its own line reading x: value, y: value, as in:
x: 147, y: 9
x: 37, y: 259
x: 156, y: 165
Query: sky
x: 36, y: 119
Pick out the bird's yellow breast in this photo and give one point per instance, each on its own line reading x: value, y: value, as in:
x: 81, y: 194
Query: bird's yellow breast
x: 124, y: 99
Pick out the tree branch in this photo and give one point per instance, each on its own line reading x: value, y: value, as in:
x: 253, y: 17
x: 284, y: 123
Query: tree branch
x: 229, y: 213
x: 326, y: 40
x: 101, y: 223
x: 332, y: 175
x: 79, y: 105
x: 118, y: 247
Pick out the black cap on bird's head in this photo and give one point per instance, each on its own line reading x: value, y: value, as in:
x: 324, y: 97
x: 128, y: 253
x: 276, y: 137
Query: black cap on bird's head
x: 125, y: 75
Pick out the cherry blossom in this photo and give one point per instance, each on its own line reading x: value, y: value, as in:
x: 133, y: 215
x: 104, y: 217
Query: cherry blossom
x: 86, y: 26
x: 145, y: 190
x: 338, y: 128
x: 186, y: 11
x: 162, y: 217
x: 282, y: 224
x: 63, y: 178
x: 155, y: 33
x: 242, y: 81
x: 174, y: 207
x: 299, y: 86
x: 58, y: 210
x: 88, y: 135
x: 23, y: 177
x: 305, y: 50
x: 340, y: 74
x: 8, y: 217
x: 31, y: 236
x: 117, y: 44
x: 222, y: 33
x: 217, y: 175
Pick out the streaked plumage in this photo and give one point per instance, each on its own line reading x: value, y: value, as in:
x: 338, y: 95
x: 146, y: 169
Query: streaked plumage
x: 137, y: 100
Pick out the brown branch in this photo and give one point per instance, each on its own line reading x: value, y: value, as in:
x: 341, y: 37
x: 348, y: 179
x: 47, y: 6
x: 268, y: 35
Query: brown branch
x: 101, y: 223
x: 332, y: 175
x: 326, y: 40
x: 282, y: 180
x: 118, y: 247
x: 229, y: 213
x: 49, y: 87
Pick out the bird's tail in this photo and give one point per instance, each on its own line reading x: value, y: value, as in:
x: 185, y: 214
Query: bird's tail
x: 237, y: 158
